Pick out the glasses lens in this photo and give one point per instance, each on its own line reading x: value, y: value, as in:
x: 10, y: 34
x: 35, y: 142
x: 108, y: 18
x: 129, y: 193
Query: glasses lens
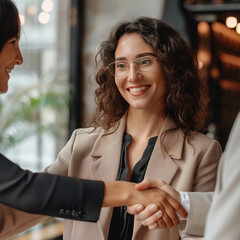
x: 118, y: 69
x: 146, y: 63
x: 111, y: 68
x: 121, y: 68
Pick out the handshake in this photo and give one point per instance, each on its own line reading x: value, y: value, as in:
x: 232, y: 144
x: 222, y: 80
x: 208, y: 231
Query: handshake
x: 165, y: 208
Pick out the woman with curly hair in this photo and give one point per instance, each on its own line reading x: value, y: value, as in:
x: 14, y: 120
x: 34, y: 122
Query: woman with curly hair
x: 42, y: 193
x: 150, y: 106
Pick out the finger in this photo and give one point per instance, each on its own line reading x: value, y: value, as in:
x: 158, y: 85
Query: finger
x: 153, y: 219
x: 145, y: 184
x: 153, y: 227
x: 147, y: 212
x: 168, y: 213
x: 135, y: 209
x: 150, y: 183
x: 161, y: 223
x: 172, y: 215
x: 167, y: 220
x: 178, y: 207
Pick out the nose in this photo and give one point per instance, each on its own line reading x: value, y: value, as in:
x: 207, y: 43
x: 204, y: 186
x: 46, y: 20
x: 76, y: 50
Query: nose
x: 19, y: 57
x: 133, y: 73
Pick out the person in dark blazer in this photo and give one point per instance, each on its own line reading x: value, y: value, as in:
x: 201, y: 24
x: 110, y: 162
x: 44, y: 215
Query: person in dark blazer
x: 43, y: 193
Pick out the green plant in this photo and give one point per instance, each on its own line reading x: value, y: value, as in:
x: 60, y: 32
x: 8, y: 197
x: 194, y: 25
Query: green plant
x: 26, y: 111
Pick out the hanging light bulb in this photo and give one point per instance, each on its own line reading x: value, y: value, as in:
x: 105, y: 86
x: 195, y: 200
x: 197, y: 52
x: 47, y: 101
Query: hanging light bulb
x: 47, y: 6
x: 231, y: 22
x: 44, y: 17
x: 238, y: 28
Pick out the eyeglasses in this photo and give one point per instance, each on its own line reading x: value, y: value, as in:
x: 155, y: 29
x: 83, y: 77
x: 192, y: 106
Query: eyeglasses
x: 120, y: 68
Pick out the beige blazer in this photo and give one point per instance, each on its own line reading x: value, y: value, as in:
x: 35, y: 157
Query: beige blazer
x: 224, y: 213
x: 95, y: 154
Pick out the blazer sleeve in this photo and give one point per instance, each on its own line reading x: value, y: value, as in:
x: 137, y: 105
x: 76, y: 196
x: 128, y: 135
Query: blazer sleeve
x: 200, y: 203
x: 48, y: 194
x: 223, y: 218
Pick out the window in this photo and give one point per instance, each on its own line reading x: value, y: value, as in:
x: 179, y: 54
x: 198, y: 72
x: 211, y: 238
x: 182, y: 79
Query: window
x: 34, y: 113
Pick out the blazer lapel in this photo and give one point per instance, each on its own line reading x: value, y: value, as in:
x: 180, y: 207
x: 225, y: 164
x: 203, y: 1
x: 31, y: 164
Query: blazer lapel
x: 162, y: 163
x: 106, y: 159
x: 168, y: 147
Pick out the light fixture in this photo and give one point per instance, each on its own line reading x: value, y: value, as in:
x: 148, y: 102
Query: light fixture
x: 31, y: 10
x: 44, y: 17
x: 22, y: 19
x: 231, y: 22
x: 238, y: 28
x: 47, y: 6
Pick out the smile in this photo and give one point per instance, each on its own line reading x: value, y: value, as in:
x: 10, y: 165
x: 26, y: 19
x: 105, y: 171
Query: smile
x: 138, y: 89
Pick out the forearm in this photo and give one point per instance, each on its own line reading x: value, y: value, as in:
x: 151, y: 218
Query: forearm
x: 117, y: 193
x: 49, y: 194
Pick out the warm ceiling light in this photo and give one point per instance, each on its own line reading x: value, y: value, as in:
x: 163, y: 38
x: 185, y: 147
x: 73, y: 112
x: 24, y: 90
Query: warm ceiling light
x: 203, y: 27
x: 44, y: 18
x: 231, y: 22
x: 238, y: 28
x: 47, y: 6
x: 31, y: 10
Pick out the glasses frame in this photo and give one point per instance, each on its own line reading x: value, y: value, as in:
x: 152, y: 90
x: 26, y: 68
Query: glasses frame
x: 128, y: 62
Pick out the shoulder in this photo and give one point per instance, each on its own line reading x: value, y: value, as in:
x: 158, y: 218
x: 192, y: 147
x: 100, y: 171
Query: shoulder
x: 201, y: 138
x: 86, y: 135
x: 202, y: 142
x: 82, y: 132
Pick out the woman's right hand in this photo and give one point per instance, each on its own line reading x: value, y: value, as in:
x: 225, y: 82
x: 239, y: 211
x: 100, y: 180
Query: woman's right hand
x: 170, y: 204
x: 160, y: 206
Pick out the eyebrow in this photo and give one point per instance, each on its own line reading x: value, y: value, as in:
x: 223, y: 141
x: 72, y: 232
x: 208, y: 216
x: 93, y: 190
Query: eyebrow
x: 139, y: 55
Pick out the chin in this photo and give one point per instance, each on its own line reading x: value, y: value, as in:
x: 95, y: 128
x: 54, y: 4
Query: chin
x: 3, y: 89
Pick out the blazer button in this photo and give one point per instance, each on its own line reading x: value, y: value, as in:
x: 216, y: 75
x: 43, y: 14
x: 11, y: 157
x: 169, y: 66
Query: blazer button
x: 68, y: 213
x: 62, y: 211
x: 75, y: 213
x: 82, y: 214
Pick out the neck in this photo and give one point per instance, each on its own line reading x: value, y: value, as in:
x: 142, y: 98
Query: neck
x: 142, y: 124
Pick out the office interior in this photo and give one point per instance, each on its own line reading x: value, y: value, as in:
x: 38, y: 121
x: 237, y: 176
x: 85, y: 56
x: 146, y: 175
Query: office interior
x: 54, y: 89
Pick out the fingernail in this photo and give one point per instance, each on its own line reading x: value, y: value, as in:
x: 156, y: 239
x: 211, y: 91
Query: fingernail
x: 139, y: 208
x: 158, y: 213
x: 153, y: 207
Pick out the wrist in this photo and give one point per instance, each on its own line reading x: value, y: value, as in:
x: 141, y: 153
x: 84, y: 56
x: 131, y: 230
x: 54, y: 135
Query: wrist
x: 117, y: 193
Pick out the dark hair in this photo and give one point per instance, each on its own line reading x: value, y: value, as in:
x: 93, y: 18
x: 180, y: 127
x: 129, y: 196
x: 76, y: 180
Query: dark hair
x: 186, y: 96
x: 9, y: 21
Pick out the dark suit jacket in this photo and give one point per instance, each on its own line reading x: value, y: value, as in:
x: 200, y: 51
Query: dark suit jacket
x: 49, y: 194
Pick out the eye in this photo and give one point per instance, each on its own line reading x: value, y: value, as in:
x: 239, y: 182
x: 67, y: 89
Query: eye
x: 13, y: 40
x: 145, y: 61
x: 121, y: 65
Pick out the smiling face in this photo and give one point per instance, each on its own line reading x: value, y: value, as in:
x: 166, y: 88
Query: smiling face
x: 10, y: 56
x: 142, y: 90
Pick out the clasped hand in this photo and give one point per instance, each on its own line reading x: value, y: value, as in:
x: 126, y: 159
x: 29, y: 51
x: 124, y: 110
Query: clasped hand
x: 162, y: 214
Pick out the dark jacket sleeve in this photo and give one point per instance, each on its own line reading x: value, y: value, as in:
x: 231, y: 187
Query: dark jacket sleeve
x: 48, y: 194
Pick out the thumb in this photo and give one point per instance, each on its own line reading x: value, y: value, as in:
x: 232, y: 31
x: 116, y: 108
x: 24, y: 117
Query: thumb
x: 149, y: 183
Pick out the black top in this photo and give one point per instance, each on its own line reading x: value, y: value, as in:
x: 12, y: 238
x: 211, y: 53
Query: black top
x: 121, y: 227
x: 49, y: 194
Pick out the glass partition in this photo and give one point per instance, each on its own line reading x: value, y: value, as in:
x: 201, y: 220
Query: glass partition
x: 34, y: 113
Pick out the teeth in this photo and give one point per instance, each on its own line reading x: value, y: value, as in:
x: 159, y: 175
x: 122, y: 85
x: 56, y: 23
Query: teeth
x: 139, y: 89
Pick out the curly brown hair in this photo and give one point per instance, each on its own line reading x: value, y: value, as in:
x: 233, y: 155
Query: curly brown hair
x: 186, y: 96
